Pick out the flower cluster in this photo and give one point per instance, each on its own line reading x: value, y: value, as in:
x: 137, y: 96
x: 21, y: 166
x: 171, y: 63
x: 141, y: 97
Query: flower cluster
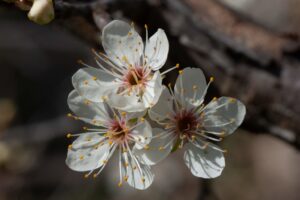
x: 124, y: 95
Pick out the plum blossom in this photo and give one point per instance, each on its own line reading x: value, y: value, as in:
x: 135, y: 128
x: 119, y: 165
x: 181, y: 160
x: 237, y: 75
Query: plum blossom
x: 128, y: 74
x: 113, y: 131
x: 188, y: 123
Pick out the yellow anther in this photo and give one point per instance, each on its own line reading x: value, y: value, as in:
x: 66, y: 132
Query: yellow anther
x: 104, y: 98
x: 96, y: 147
x: 222, y: 134
x: 126, y: 130
x: 147, y: 147
x: 126, y: 178
x: 225, y: 151
x: 129, y: 33
x: 161, y: 148
x: 81, y: 157
x: 86, y: 175
x: 123, y: 114
x: 69, y: 115
x: 88, y: 139
x: 211, y: 79
x: 124, y: 150
x: 232, y: 100
x: 84, y: 128
x: 215, y: 98
x: 110, y: 142
x: 94, y: 78
x: 177, y: 65
x: 94, y: 175
x: 193, y: 137
x: 146, y: 26
x: 69, y: 146
x: 194, y: 87
x: 104, y: 161
x: 87, y: 102
x: 143, y: 180
x: 120, y: 184
x: 142, y: 119
x: 69, y: 135
x: 180, y: 72
x: 126, y: 164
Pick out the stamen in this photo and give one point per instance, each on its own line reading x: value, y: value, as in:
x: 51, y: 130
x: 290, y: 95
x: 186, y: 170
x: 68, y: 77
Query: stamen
x: 170, y: 69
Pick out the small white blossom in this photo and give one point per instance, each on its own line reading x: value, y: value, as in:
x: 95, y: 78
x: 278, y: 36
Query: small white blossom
x: 188, y: 122
x: 128, y: 73
x: 126, y: 133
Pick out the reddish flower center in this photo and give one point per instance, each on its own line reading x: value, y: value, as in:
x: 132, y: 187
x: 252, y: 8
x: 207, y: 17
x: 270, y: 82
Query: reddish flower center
x: 118, y: 131
x: 186, y: 123
x: 135, y: 76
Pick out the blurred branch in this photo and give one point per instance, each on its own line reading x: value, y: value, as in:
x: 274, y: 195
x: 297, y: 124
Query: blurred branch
x: 249, y: 62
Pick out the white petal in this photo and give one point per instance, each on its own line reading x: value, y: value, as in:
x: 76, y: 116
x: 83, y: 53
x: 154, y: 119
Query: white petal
x: 128, y: 103
x: 191, y: 86
x: 157, y: 50
x: 153, y: 155
x: 153, y: 90
x: 93, y: 84
x: 163, y: 107
x: 134, y: 115
x: 138, y: 178
x: 143, y: 133
x: 207, y: 163
x: 120, y: 40
x: 84, y: 156
x: 224, y: 115
x: 90, y: 112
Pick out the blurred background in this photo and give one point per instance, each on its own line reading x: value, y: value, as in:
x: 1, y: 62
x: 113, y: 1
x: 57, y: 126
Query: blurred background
x: 251, y: 47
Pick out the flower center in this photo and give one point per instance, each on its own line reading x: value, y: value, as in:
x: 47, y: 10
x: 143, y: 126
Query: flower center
x: 118, y: 131
x: 135, y: 76
x: 186, y: 123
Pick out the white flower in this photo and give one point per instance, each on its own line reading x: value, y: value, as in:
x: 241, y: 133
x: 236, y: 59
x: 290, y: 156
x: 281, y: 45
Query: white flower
x: 128, y: 73
x: 188, y: 122
x: 115, y: 131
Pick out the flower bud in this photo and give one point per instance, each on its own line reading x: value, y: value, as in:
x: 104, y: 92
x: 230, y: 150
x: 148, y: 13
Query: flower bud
x: 41, y: 12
